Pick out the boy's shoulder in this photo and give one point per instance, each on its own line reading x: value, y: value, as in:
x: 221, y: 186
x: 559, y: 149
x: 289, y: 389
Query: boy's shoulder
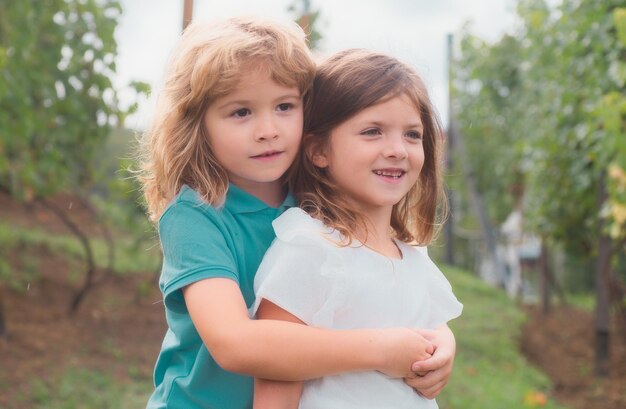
x: 185, y: 202
x: 188, y: 196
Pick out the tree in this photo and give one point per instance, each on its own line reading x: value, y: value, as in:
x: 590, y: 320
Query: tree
x: 308, y: 19
x: 548, y: 104
x: 57, y: 100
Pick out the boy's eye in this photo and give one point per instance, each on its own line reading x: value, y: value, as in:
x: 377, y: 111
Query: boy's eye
x: 414, y: 135
x: 371, y: 131
x: 240, y: 113
x: 286, y: 106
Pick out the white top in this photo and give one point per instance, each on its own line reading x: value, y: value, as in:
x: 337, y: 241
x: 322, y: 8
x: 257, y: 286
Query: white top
x: 309, y: 275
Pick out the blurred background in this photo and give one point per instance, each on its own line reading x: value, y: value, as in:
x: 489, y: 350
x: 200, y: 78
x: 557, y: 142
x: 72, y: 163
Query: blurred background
x: 532, y: 96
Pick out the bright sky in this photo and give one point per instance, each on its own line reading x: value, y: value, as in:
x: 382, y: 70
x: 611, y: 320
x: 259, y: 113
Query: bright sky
x: 414, y: 31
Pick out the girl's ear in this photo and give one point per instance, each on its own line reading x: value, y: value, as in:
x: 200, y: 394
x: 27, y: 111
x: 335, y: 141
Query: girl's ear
x: 317, y: 154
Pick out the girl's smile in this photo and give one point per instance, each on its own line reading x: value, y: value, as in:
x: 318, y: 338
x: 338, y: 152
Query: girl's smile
x: 390, y: 175
x: 376, y: 156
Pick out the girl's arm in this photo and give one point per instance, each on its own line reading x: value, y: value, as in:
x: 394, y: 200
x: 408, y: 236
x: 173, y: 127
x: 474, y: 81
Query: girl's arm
x: 276, y: 394
x: 282, y: 350
x: 437, y: 368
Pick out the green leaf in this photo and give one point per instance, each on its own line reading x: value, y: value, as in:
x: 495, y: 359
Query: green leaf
x: 619, y: 19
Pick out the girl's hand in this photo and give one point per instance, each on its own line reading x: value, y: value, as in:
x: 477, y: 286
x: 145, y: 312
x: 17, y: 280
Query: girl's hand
x: 431, y: 374
x: 401, y: 348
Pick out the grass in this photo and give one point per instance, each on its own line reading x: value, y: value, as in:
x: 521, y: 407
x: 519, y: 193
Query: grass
x: 585, y: 301
x: 490, y: 372
x: 85, y: 388
x: 129, y: 256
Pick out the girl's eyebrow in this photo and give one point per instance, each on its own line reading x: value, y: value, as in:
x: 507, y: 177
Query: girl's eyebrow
x: 415, y: 125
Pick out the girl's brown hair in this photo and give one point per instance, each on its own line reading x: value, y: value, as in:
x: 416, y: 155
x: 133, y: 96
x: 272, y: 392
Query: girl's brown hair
x: 206, y: 65
x: 345, y: 84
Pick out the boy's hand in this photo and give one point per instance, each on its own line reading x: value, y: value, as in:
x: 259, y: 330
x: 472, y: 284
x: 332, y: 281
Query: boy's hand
x: 432, y: 374
x: 401, y: 348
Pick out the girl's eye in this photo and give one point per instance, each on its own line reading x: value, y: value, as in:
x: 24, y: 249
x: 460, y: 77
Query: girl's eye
x: 414, y: 135
x: 371, y: 131
x: 286, y: 106
x: 241, y: 113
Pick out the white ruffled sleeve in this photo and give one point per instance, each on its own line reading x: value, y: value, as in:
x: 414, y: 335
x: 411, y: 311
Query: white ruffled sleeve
x: 296, y: 272
x: 444, y: 306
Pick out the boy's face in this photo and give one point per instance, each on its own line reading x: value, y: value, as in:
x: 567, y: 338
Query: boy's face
x: 255, y: 131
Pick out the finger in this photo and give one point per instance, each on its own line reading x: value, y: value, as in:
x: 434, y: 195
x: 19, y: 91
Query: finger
x: 430, y: 391
x: 413, y: 375
x: 431, y: 363
x: 428, y: 381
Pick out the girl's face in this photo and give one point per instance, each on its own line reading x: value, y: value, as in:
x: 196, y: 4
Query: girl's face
x: 255, y: 131
x: 376, y: 156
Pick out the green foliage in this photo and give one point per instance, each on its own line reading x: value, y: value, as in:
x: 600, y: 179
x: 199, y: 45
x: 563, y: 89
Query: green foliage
x: 308, y: 19
x: 489, y: 75
x: 544, y: 113
x: 57, y: 101
x: 489, y: 372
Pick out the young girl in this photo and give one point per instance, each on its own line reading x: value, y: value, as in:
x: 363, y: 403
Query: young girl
x: 368, y: 184
x: 228, y: 125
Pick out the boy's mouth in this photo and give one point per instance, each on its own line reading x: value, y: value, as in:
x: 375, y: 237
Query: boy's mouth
x: 267, y: 155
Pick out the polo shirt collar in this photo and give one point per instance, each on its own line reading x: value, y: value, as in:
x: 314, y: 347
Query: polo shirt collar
x: 240, y: 201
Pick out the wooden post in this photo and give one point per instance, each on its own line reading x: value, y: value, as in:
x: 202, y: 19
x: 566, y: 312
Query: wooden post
x: 449, y: 226
x: 544, y: 268
x: 187, y: 13
x: 3, y: 325
x: 602, y: 272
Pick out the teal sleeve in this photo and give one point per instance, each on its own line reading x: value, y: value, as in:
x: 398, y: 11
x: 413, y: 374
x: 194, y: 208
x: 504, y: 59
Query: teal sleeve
x: 195, y: 247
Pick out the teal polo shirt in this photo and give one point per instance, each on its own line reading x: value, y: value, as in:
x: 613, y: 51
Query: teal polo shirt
x: 200, y: 241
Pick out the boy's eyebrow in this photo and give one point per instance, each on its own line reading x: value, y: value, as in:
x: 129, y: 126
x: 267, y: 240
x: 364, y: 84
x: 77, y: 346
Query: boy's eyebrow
x: 247, y: 102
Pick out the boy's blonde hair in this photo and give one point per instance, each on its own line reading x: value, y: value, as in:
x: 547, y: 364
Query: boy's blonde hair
x: 345, y: 84
x: 206, y: 65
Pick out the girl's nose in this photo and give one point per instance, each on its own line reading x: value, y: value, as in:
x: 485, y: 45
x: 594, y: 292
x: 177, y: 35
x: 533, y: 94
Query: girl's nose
x: 395, y: 147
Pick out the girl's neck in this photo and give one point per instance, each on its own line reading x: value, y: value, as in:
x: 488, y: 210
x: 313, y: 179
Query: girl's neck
x: 379, y: 234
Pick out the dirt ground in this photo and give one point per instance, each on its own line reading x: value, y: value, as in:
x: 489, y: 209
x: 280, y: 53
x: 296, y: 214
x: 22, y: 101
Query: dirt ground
x: 119, y: 326
x: 561, y: 344
x: 114, y: 330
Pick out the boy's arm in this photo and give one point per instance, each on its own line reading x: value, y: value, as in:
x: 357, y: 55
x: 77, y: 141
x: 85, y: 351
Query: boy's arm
x: 281, y: 350
x: 437, y: 368
x: 276, y: 394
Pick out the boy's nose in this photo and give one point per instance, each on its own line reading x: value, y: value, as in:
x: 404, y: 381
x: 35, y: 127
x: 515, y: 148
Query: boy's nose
x: 266, y: 128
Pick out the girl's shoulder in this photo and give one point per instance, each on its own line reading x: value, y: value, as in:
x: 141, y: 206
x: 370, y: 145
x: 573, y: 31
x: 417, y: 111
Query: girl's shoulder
x: 422, y: 250
x: 296, y: 223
